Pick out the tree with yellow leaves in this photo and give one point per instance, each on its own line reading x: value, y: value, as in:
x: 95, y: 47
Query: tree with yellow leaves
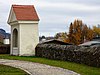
x: 96, y: 31
x: 90, y: 34
x: 78, y: 32
x: 71, y: 33
x: 75, y: 32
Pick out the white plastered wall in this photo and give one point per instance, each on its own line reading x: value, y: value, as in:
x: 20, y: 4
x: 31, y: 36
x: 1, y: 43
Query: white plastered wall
x: 29, y: 38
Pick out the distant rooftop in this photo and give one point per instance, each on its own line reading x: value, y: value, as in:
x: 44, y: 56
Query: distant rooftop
x: 96, y: 38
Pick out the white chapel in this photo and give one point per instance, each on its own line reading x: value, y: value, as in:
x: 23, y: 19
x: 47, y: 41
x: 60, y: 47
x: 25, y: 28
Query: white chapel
x: 23, y: 20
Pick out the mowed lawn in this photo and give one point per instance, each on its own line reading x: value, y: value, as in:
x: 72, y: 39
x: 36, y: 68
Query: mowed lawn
x: 8, y: 70
x: 79, y: 68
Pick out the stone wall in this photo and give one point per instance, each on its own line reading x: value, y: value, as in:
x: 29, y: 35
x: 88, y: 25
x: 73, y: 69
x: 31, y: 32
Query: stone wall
x: 85, y: 55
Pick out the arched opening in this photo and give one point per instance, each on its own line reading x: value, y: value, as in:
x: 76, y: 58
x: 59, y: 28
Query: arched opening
x: 15, y: 38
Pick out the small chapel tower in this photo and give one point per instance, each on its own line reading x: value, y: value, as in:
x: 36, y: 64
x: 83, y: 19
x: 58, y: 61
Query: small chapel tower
x: 23, y: 20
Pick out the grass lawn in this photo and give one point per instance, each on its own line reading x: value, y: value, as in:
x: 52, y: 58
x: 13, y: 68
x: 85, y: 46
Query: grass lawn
x: 79, y: 68
x: 7, y: 70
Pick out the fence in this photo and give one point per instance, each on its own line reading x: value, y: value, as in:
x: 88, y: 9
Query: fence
x: 4, y: 49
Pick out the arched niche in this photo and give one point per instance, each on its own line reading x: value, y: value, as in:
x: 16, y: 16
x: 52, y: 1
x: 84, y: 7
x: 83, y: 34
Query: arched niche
x: 15, y: 38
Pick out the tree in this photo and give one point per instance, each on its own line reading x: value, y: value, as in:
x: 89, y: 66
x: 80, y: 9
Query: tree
x: 70, y: 33
x: 43, y: 37
x: 62, y: 37
x: 84, y: 33
x: 78, y: 32
x: 90, y: 34
x: 96, y: 31
x: 75, y: 32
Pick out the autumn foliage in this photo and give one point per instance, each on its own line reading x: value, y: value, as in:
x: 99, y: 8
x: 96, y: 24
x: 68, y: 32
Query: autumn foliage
x: 79, y: 32
x: 62, y: 37
x: 96, y: 31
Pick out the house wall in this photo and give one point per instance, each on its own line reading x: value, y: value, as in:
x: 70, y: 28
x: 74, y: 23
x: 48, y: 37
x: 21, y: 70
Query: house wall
x: 29, y: 38
x: 6, y: 41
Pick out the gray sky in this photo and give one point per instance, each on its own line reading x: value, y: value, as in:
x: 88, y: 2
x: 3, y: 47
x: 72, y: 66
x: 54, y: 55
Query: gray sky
x: 55, y: 15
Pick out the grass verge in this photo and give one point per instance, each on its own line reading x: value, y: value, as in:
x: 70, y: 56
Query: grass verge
x: 8, y: 70
x: 79, y: 68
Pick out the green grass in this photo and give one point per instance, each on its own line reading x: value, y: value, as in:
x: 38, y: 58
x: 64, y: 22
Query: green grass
x: 7, y: 70
x: 79, y: 68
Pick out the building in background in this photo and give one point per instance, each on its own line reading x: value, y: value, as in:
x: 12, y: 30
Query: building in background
x: 43, y: 38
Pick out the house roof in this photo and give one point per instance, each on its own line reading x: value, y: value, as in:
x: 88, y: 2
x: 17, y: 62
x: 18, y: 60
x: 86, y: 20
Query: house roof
x: 89, y: 43
x: 54, y: 41
x: 25, y: 12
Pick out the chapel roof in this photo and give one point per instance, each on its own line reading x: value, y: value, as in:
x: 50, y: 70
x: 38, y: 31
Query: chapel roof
x: 25, y: 12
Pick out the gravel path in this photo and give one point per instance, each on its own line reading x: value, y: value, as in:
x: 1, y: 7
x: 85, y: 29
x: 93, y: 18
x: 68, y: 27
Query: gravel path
x: 36, y: 68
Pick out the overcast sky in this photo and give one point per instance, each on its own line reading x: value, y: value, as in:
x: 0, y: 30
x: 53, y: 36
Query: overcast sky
x: 55, y: 15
